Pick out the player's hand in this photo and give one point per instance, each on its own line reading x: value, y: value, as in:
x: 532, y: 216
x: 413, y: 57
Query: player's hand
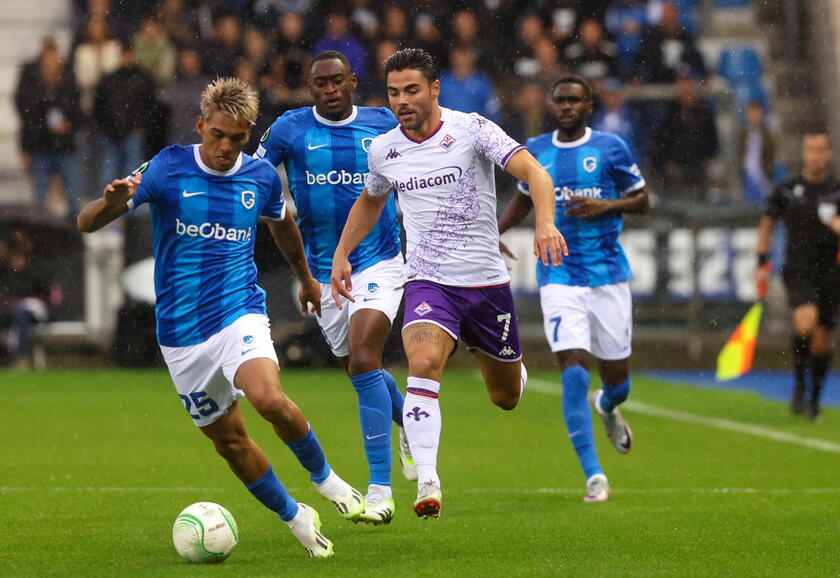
x: 503, y: 249
x: 119, y: 191
x: 549, y: 244
x: 579, y: 207
x: 762, y: 279
x: 310, y: 294
x: 342, y: 285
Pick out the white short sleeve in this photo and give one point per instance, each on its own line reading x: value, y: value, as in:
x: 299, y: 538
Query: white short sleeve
x: 490, y: 141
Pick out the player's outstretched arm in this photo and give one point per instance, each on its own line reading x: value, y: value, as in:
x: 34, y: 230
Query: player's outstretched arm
x: 112, y: 204
x: 364, y: 214
x: 580, y: 207
x: 549, y: 244
x: 287, y: 238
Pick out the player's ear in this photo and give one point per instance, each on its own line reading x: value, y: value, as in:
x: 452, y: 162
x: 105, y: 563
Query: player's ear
x: 435, y: 88
x: 199, y: 125
x: 354, y: 82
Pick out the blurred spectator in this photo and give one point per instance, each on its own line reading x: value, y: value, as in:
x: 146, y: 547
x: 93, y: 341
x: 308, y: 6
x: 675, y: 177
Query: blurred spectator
x: 395, y: 24
x: 563, y: 23
x: 292, y: 45
x: 615, y: 115
x: 531, y: 30
x: 548, y: 61
x: 365, y: 19
x: 464, y: 88
x: 757, y: 155
x: 466, y: 30
x: 338, y: 37
x: 154, y: 52
x: 276, y: 94
x: 220, y: 53
x: 529, y: 116
x: 255, y: 49
x: 592, y: 56
x: 686, y: 143
x: 427, y: 34
x: 97, y: 56
x: 625, y: 21
x: 23, y: 298
x: 372, y: 90
x: 180, y: 21
x: 47, y: 101
x: 183, y: 95
x: 668, y: 50
x: 124, y: 105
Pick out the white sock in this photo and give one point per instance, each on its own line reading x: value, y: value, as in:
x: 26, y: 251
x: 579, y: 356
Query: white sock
x: 421, y: 418
x: 382, y: 490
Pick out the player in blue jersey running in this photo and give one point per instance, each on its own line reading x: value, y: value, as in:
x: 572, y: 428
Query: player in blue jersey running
x: 586, y: 303
x: 324, y: 150
x: 212, y: 327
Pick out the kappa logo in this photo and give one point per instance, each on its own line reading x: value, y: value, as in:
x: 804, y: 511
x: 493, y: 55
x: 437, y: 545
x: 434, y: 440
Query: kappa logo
x: 422, y: 309
x: 590, y: 164
x: 507, y: 351
x: 249, y: 199
x: 392, y: 154
x: 447, y: 142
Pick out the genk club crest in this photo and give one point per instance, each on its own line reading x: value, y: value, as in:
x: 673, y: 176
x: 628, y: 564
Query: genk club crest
x: 590, y: 164
x: 249, y: 199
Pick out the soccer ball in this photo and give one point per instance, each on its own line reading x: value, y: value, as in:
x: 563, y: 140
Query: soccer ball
x: 205, y: 533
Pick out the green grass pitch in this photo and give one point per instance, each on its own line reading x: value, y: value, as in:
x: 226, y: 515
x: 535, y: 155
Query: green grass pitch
x: 95, y: 466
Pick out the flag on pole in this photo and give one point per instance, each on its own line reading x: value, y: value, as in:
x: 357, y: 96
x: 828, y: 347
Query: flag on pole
x: 736, y: 357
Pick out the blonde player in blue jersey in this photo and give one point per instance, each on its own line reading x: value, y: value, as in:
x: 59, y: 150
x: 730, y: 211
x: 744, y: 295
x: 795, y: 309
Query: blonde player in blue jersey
x: 205, y: 202
x: 324, y: 149
x: 586, y: 303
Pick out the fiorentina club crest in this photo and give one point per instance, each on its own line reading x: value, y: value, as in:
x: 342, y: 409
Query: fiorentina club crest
x: 447, y: 142
x: 422, y: 309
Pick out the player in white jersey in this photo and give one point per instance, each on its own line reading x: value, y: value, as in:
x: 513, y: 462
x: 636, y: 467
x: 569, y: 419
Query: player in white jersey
x: 212, y: 326
x: 439, y: 162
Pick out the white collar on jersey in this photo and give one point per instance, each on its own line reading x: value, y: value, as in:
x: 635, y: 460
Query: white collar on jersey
x: 341, y: 122
x: 210, y: 171
x: 587, y: 134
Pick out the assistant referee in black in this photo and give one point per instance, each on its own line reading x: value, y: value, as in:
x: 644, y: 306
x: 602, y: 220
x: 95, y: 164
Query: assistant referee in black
x: 808, y: 206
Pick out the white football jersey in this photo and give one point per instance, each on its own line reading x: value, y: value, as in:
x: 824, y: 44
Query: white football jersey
x: 447, y: 193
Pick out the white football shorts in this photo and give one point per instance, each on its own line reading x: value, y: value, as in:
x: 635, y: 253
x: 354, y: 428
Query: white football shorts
x: 596, y: 319
x: 203, y: 373
x: 379, y: 287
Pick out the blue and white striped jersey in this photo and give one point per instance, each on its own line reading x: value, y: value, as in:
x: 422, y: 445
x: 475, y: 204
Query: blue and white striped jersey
x: 326, y: 162
x: 204, y: 223
x: 597, y: 165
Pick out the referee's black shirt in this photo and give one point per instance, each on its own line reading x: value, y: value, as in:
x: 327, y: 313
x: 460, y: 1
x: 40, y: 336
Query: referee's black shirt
x: 811, y: 244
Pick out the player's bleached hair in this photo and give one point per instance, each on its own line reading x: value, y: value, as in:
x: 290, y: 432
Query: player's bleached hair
x: 230, y: 96
x: 414, y: 59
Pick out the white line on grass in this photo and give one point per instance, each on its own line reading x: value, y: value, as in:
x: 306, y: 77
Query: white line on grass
x: 159, y: 490
x: 755, y: 430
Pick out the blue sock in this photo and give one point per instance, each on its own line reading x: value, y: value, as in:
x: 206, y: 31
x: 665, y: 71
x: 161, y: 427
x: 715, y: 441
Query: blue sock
x: 273, y: 495
x: 310, y: 455
x: 579, y: 418
x: 396, y: 398
x: 614, y: 395
x: 374, y: 415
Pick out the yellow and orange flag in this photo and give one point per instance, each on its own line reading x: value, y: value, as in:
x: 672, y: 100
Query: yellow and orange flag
x: 736, y: 357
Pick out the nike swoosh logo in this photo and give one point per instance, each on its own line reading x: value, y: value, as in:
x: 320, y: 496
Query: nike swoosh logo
x: 548, y: 166
x: 367, y: 437
x: 247, y: 351
x: 312, y: 148
x: 188, y: 194
x: 371, y: 299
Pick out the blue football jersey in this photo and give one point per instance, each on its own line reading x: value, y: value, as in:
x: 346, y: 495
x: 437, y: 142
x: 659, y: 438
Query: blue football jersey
x: 204, y: 223
x: 326, y: 162
x: 598, y: 165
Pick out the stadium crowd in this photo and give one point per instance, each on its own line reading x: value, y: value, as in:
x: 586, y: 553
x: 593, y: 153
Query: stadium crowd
x: 131, y: 80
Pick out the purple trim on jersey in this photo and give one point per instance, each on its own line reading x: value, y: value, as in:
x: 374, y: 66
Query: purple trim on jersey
x: 483, y: 318
x: 513, y: 151
x: 421, y: 140
x: 421, y: 392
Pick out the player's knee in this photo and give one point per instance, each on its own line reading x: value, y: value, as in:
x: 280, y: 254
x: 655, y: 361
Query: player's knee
x: 505, y: 400
x: 232, y: 447
x: 424, y: 366
x: 363, y: 361
x: 276, y: 408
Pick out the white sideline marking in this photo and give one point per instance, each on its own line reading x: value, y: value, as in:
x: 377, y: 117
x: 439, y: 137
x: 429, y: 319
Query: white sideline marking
x: 755, y: 430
